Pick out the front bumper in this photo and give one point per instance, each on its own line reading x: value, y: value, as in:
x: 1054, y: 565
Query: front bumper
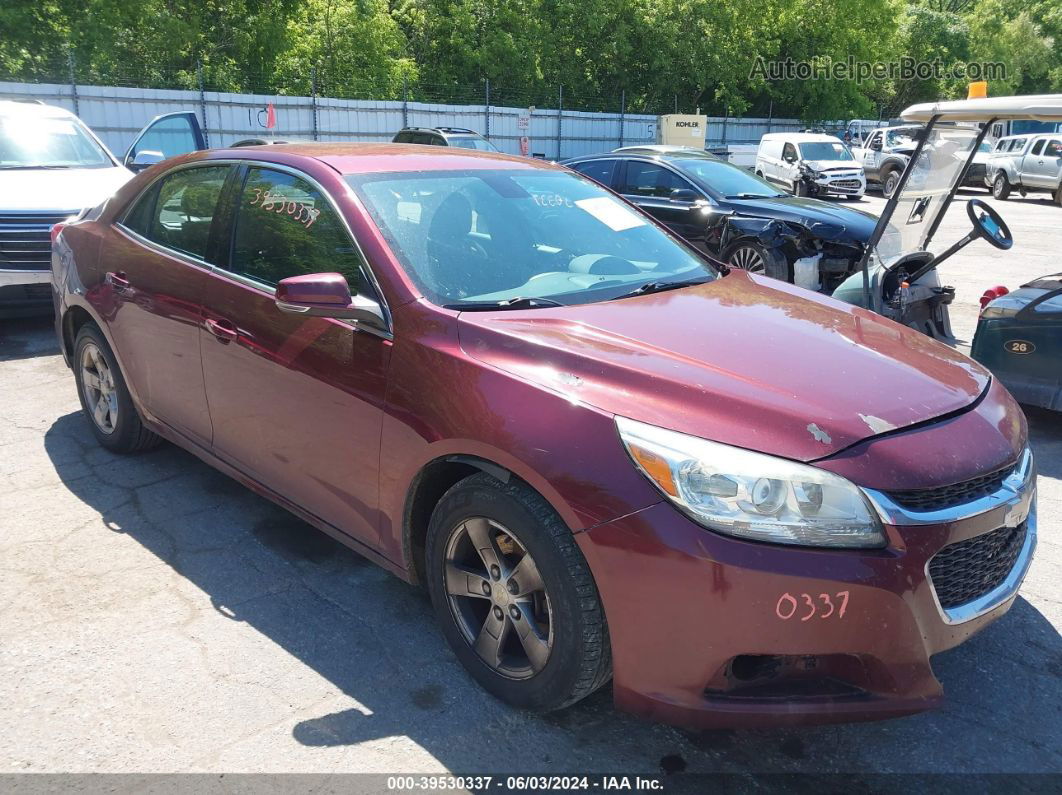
x: 844, y: 185
x: 721, y: 632
x: 25, y: 291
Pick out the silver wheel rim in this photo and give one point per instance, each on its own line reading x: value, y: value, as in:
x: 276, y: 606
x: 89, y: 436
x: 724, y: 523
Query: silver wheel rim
x: 890, y: 184
x: 748, y: 259
x: 998, y: 188
x: 97, y: 384
x: 497, y: 597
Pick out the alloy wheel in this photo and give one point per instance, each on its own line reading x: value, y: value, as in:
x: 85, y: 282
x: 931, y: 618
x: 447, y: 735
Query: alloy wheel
x: 892, y: 181
x: 747, y: 259
x: 97, y: 382
x: 498, y: 599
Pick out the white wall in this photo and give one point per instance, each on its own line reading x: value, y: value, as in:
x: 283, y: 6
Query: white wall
x: 116, y: 114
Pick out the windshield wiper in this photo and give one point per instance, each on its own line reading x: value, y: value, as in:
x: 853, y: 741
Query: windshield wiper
x: 521, y: 302
x: 756, y: 196
x: 658, y: 287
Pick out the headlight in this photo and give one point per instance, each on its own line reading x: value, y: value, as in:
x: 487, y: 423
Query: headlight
x: 752, y: 495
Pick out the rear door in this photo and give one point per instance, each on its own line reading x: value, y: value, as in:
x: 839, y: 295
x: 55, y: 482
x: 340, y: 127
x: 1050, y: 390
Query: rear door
x: 170, y: 135
x: 601, y: 171
x: 158, y: 260
x: 872, y: 154
x: 1042, y: 164
x: 295, y: 400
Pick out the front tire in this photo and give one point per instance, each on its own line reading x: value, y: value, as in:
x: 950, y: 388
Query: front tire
x: 1000, y: 187
x: 514, y: 595
x: 748, y: 255
x: 104, y: 396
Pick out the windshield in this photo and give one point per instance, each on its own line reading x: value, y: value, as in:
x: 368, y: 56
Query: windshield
x: 32, y: 141
x: 468, y: 237
x: 726, y: 179
x: 903, y: 137
x: 925, y: 195
x: 471, y: 142
x: 824, y: 150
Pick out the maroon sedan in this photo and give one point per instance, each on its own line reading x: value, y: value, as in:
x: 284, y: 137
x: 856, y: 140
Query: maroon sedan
x: 741, y: 502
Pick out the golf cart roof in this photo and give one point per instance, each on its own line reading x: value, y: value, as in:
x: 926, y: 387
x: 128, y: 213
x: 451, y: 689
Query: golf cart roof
x: 1042, y: 107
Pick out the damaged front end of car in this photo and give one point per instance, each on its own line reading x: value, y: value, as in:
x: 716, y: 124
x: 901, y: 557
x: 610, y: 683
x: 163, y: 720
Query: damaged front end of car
x: 820, y: 255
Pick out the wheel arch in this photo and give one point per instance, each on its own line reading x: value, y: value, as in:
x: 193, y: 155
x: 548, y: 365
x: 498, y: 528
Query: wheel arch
x: 425, y: 491
x: 73, y: 319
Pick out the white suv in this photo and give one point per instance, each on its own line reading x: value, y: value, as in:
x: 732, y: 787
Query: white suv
x: 51, y: 167
x: 810, y: 164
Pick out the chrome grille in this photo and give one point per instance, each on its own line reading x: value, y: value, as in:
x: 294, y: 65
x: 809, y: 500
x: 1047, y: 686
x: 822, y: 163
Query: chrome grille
x: 25, y: 239
x: 967, y: 570
x: 940, y: 498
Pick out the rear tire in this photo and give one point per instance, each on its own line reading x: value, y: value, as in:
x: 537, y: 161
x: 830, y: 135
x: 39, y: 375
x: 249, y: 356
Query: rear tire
x: 890, y: 181
x: 1000, y: 187
x: 1058, y: 195
x: 104, y: 396
x: 552, y: 646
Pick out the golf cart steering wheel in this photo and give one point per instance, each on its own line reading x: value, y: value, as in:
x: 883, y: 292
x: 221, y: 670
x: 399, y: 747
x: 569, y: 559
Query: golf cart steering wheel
x: 987, y: 223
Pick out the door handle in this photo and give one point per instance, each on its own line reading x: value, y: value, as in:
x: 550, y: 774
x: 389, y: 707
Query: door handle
x: 117, y: 279
x: 222, y: 329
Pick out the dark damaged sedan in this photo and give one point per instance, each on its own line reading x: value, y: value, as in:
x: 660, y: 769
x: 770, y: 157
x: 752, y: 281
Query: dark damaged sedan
x: 735, y: 216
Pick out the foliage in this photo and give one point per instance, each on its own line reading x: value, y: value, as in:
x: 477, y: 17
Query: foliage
x: 657, y: 55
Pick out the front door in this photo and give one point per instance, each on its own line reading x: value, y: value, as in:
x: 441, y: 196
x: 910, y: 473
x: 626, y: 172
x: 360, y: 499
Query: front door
x: 296, y: 401
x: 157, y: 265
x: 653, y: 188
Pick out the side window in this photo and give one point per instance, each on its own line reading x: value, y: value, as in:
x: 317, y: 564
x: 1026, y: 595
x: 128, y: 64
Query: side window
x: 178, y: 211
x: 649, y: 179
x: 873, y: 140
x: 286, y: 227
x: 403, y: 138
x: 1038, y: 147
x: 172, y: 137
x: 1017, y: 144
x: 1053, y: 149
x: 600, y: 170
x: 139, y: 216
x: 789, y: 153
x: 422, y: 138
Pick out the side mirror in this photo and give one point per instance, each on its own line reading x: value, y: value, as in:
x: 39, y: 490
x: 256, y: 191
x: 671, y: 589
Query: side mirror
x: 876, y: 144
x: 143, y: 159
x: 684, y: 195
x: 327, y: 295
x: 789, y: 158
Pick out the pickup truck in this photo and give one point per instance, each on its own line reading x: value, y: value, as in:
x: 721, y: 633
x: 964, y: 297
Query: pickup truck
x: 884, y: 155
x: 1029, y: 163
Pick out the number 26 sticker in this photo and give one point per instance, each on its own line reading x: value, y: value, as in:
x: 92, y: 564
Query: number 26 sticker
x: 806, y: 606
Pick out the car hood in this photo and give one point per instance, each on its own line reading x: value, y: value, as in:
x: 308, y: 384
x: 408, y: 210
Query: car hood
x: 743, y: 360
x: 825, y: 220
x: 840, y: 165
x: 60, y: 189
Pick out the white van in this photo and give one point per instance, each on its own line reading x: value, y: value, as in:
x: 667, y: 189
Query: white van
x: 810, y: 164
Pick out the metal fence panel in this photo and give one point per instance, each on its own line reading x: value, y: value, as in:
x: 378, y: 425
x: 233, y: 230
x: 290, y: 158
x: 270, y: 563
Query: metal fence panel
x: 117, y: 113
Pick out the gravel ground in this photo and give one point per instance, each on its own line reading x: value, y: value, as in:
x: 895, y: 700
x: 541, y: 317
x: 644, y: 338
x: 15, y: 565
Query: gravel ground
x: 158, y: 617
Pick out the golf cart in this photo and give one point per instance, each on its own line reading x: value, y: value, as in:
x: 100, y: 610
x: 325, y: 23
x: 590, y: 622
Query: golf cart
x: 898, y: 275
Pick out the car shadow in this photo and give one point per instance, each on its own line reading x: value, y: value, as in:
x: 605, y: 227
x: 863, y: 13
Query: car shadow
x: 28, y: 337
x: 374, y: 639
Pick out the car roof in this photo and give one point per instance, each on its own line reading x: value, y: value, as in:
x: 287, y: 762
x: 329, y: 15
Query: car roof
x: 32, y: 107
x: 801, y: 138
x: 355, y: 158
x: 444, y: 130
